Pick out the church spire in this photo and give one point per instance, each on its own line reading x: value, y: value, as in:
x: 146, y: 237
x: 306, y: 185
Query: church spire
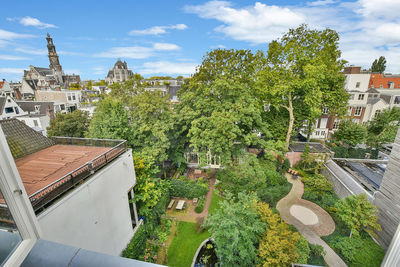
x: 53, y: 57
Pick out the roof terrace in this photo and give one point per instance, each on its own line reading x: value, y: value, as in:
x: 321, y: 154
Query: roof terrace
x: 49, y: 168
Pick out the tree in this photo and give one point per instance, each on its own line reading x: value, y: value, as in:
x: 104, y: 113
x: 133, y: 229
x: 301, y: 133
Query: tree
x: 303, y: 75
x: 218, y: 110
x: 383, y: 128
x: 72, y: 124
x: 152, y: 123
x: 358, y: 214
x: 235, y: 228
x: 111, y: 121
x: 75, y: 86
x: 278, y: 244
x: 89, y: 85
x: 350, y: 133
x: 379, y: 65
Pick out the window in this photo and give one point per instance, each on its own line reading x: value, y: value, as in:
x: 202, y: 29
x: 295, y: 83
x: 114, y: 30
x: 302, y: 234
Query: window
x: 377, y: 113
x: 37, y: 108
x: 73, y: 97
x: 358, y: 111
x: 361, y: 97
x: 132, y: 208
x: 16, y: 110
x: 323, y: 133
x: 349, y: 111
x: 35, y: 122
x: 358, y: 85
x: 391, y: 84
x: 381, y: 86
x: 396, y: 100
x: 325, y: 110
x: 317, y: 133
x: 9, y: 110
x: 69, y: 97
x: 336, y: 124
x: 62, y: 107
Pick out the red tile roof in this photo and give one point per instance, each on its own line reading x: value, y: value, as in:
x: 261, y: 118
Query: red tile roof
x: 1, y: 84
x: 378, y: 80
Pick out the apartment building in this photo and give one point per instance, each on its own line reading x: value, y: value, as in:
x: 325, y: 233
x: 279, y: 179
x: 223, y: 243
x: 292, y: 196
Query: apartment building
x: 80, y: 189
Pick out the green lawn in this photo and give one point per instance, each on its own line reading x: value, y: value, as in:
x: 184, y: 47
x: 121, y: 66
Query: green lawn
x: 185, y: 244
x: 215, y: 200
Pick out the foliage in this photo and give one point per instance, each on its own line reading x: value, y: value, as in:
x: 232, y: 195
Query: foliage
x: 318, y: 189
x: 278, y: 245
x: 218, y: 109
x: 379, y: 65
x: 303, y: 250
x: 137, y: 245
x: 72, y: 124
x: 350, y: 133
x: 383, y: 128
x: 75, y: 86
x: 358, y: 251
x: 286, y: 164
x: 358, y: 214
x: 215, y: 203
x: 110, y: 121
x: 250, y: 174
x: 235, y: 227
x: 353, y: 153
x: 304, y: 71
x: 200, y: 206
x: 316, y: 255
x: 147, y: 193
x: 188, y: 188
x: 185, y: 244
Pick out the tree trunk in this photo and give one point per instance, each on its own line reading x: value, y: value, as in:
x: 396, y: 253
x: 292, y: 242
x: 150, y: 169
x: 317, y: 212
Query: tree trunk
x: 309, y: 129
x: 351, y: 233
x: 291, y: 120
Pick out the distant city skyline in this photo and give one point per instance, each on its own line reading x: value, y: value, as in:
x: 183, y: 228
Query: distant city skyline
x: 171, y: 37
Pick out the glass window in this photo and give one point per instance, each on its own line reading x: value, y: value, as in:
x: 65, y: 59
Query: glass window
x: 35, y: 122
x: 9, y: 110
x: 358, y: 85
x: 336, y: 124
x: 325, y: 110
x: 361, y: 97
x: 396, y: 100
x: 9, y: 235
x: 16, y: 110
x: 317, y: 133
x: 358, y: 111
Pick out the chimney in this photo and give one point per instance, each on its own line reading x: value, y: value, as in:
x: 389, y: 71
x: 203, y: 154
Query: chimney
x: 352, y: 70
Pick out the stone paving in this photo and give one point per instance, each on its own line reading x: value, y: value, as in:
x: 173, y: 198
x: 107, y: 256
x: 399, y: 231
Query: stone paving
x: 312, y: 233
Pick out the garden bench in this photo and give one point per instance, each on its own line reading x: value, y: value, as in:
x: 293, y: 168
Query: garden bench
x: 171, y: 204
x: 195, y: 200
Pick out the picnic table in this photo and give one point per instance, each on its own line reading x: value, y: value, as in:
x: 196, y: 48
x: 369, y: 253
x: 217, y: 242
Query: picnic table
x: 181, y: 205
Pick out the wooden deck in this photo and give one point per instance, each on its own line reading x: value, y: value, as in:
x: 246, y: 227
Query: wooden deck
x: 42, y: 168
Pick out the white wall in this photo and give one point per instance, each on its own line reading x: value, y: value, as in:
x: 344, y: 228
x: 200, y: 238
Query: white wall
x: 352, y: 79
x: 95, y: 215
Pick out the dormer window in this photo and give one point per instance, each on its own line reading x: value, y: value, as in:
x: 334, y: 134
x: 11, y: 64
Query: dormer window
x: 37, y: 108
x: 361, y: 97
x: 358, y: 85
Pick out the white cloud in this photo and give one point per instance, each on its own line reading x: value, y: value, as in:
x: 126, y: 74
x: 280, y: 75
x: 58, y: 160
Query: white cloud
x: 29, y: 21
x: 31, y: 51
x: 137, y: 52
x: 12, y: 57
x: 165, y: 46
x: 379, y: 8
x: 12, y: 71
x: 157, y: 30
x: 322, y: 3
x: 165, y: 67
x: 6, y: 35
x: 99, y: 70
x: 257, y: 24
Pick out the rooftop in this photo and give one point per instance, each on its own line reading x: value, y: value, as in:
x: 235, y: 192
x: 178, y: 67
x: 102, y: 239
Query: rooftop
x: 315, y: 147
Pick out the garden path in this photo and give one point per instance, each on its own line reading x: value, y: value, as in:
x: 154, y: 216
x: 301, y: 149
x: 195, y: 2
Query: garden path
x: 190, y: 215
x: 312, y: 233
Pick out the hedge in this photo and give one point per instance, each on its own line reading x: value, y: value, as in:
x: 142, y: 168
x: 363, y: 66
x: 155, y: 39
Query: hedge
x: 200, y: 206
x: 188, y: 189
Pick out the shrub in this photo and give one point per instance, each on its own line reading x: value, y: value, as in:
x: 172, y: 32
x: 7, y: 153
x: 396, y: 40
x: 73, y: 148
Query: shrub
x: 303, y: 250
x: 200, y: 206
x: 188, y: 189
x: 286, y: 165
x: 137, y: 245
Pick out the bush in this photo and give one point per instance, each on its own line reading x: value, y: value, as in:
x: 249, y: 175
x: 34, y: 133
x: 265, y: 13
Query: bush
x: 358, y: 251
x: 355, y: 153
x: 303, y: 250
x: 188, y: 189
x: 286, y: 165
x: 200, y: 206
x: 137, y: 245
x: 272, y: 195
x: 318, y: 189
x: 316, y: 255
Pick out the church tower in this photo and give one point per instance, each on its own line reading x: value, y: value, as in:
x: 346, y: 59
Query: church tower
x: 53, y: 57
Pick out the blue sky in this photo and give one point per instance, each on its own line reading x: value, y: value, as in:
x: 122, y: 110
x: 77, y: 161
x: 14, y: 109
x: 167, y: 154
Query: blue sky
x: 170, y: 37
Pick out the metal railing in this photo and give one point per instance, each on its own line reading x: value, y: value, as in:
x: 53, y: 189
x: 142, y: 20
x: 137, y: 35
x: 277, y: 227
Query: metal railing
x: 52, y: 191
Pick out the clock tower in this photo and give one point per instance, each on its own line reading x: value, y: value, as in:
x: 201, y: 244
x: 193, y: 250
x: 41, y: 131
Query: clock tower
x: 53, y: 57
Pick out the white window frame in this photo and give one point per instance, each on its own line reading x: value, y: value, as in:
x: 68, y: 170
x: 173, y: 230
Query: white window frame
x: 18, y: 203
x: 358, y: 111
x: 361, y: 97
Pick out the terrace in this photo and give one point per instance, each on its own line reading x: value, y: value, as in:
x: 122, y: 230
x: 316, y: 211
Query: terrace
x: 49, y: 168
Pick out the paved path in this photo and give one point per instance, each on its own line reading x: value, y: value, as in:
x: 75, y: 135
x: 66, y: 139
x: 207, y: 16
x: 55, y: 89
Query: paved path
x: 312, y: 233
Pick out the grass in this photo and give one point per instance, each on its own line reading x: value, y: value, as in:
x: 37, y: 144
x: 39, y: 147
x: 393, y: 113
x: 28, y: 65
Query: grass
x: 215, y: 200
x: 185, y: 244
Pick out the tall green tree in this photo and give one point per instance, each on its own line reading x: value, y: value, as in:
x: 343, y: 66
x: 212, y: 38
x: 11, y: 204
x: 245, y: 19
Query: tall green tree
x: 379, y: 65
x: 304, y: 71
x: 235, y: 228
x: 350, y: 133
x: 218, y: 109
x: 358, y: 214
x: 72, y: 124
x: 383, y: 128
x: 111, y: 121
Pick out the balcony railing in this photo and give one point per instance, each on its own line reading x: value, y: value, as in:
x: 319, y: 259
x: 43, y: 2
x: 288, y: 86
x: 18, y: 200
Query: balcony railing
x: 46, y: 195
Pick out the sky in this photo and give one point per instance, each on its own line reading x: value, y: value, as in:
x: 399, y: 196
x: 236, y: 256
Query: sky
x: 170, y: 37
